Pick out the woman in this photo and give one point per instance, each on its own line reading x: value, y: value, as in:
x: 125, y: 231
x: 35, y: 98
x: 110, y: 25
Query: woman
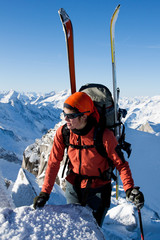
x: 85, y: 182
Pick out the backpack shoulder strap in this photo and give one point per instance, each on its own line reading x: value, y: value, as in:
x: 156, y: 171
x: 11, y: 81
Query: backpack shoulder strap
x: 66, y: 135
x: 98, y: 142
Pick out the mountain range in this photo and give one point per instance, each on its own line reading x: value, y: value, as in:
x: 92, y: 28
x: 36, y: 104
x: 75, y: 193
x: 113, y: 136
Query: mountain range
x: 27, y: 116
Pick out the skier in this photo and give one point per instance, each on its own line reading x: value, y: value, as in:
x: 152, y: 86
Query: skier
x: 88, y: 180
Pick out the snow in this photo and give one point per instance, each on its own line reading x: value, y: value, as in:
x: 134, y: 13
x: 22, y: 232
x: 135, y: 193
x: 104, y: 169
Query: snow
x: 25, y: 188
x: 76, y: 222
x: 51, y: 222
x: 58, y: 220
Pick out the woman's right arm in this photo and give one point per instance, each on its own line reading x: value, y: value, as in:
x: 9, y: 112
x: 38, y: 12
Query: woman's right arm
x: 56, y: 156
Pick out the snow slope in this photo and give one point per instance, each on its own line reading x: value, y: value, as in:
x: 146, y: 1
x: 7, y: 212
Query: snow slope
x: 145, y: 165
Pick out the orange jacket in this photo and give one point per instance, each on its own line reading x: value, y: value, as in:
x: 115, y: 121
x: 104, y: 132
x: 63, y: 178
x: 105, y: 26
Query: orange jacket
x: 91, y: 160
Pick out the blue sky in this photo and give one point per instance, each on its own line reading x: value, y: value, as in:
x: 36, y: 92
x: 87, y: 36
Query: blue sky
x: 33, y: 53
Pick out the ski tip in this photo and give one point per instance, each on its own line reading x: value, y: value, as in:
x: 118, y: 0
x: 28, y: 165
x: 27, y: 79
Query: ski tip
x: 117, y: 8
x: 63, y: 15
x: 115, y: 15
x: 61, y: 10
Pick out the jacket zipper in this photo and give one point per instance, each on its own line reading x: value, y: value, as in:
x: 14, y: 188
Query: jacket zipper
x: 79, y: 143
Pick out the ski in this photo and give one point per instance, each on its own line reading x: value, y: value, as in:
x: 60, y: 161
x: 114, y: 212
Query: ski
x: 115, y: 89
x: 68, y: 30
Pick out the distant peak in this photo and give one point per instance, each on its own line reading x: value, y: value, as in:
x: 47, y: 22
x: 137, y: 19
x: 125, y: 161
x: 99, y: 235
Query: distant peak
x: 10, y: 96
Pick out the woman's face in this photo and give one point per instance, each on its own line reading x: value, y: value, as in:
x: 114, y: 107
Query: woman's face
x: 78, y: 122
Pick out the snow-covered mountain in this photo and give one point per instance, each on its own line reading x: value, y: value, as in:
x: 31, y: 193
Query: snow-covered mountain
x: 25, y: 117
x: 142, y: 110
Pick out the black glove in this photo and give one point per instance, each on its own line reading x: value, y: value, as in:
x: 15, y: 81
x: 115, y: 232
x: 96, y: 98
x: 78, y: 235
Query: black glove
x: 40, y: 200
x: 135, y: 196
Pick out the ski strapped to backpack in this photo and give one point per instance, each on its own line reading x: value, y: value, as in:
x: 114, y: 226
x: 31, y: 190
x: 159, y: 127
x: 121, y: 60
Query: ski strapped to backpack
x: 68, y: 30
x: 115, y: 89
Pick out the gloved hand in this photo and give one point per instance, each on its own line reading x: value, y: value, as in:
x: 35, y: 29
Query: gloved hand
x: 135, y: 196
x: 40, y: 200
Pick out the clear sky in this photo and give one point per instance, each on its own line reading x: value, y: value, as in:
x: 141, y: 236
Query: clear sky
x: 33, y: 54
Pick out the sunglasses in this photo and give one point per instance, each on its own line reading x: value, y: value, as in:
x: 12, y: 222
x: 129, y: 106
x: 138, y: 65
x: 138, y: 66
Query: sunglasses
x: 74, y: 115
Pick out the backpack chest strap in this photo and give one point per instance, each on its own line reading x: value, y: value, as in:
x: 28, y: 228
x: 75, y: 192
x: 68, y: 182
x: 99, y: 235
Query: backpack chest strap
x: 81, y: 146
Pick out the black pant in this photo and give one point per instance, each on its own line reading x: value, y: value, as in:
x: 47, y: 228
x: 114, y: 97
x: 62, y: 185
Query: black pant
x: 97, y: 198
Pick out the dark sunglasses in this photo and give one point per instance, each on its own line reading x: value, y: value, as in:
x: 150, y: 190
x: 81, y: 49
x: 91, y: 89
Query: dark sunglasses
x: 73, y: 115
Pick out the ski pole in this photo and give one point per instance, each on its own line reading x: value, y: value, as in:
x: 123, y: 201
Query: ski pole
x: 140, y: 223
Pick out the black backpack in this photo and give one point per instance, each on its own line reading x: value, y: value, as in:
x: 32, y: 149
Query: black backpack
x: 102, y: 98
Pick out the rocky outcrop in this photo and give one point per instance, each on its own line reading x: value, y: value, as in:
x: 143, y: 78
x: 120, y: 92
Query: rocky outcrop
x: 35, y: 156
x: 146, y: 128
x: 31, y: 157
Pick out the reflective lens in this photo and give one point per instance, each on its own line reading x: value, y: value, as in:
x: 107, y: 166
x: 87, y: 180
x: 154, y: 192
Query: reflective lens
x: 73, y: 115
